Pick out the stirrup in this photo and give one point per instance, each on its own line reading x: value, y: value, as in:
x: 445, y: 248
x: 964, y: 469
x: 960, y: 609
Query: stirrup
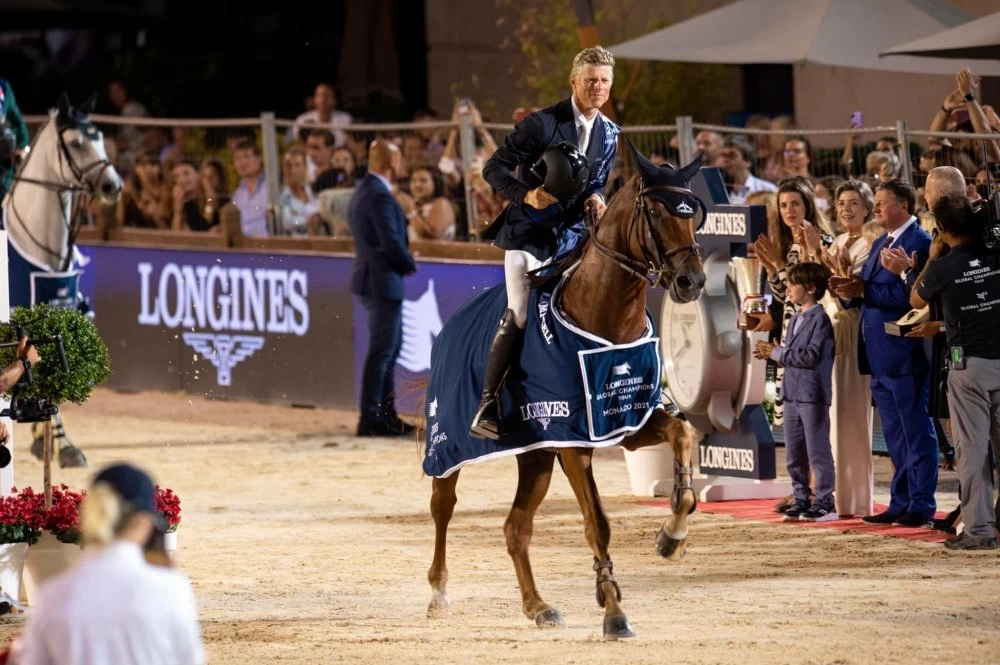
x: 478, y: 429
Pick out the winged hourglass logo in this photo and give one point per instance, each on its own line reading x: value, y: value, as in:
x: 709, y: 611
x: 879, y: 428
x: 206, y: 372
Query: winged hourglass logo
x: 224, y: 351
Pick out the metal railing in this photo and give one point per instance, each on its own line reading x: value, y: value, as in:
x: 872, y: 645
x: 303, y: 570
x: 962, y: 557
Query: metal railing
x: 462, y: 148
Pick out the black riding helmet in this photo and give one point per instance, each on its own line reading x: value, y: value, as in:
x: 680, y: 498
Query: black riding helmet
x: 563, y: 170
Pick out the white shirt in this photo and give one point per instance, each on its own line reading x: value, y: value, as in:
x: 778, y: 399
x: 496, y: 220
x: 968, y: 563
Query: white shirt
x: 385, y: 181
x: 252, y: 207
x: 752, y: 184
x: 114, y: 608
x: 336, y: 118
x: 897, y: 234
x: 584, y: 127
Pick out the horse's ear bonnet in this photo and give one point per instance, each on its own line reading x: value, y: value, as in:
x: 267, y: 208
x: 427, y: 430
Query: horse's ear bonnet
x: 76, y: 118
x: 684, y: 206
x: 564, y: 170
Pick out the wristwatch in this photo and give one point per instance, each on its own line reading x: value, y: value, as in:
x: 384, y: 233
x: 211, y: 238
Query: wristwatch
x: 26, y: 363
x: 969, y: 97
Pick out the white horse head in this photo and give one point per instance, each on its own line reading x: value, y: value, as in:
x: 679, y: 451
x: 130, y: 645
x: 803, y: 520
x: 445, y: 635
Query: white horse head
x: 67, y: 156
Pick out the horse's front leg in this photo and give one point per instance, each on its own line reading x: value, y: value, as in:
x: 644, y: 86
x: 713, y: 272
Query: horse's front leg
x: 577, y: 463
x: 443, y: 499
x: 534, y: 473
x: 671, y: 541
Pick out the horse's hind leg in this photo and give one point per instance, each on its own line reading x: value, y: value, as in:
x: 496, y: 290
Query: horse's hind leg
x: 534, y: 473
x: 577, y: 463
x: 671, y: 541
x: 443, y: 500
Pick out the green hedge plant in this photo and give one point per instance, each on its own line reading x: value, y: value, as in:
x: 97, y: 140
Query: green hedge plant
x: 89, y: 364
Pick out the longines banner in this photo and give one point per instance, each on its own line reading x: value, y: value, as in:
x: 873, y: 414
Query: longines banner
x: 279, y: 328
x: 267, y: 327
x: 259, y: 326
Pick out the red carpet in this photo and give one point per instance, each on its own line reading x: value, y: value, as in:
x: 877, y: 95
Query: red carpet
x: 762, y: 510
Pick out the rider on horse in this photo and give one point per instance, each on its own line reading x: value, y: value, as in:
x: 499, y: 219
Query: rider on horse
x: 537, y: 226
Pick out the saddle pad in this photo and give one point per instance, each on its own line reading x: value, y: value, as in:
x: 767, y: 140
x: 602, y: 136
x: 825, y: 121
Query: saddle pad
x: 565, y: 388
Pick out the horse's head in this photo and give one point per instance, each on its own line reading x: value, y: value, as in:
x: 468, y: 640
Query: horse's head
x: 661, y: 231
x: 81, y: 157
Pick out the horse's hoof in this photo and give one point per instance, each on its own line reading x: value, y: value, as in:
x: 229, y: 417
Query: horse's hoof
x: 72, y: 457
x: 670, y: 548
x: 37, y: 447
x: 439, y: 605
x: 549, y: 618
x: 617, y: 628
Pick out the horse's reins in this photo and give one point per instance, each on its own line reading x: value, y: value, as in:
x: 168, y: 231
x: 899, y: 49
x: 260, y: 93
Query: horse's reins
x: 75, y: 222
x: 655, y: 267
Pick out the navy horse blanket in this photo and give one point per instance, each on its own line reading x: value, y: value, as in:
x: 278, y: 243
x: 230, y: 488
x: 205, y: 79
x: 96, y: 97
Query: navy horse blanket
x: 569, y: 388
x: 34, y: 283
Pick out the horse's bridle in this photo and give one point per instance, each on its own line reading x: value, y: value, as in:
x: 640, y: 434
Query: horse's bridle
x: 80, y: 185
x: 656, y: 266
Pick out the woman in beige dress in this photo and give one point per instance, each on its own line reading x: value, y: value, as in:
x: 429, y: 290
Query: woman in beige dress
x: 850, y: 411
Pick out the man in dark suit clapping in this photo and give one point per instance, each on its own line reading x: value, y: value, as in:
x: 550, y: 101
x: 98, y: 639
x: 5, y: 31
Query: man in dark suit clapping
x: 898, y: 365
x: 381, y: 260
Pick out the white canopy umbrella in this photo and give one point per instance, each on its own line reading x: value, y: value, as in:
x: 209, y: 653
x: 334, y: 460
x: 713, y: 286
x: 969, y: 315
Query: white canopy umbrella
x: 979, y: 39
x: 844, y: 33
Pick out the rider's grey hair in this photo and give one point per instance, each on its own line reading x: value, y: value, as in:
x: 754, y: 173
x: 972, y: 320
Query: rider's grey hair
x: 595, y: 55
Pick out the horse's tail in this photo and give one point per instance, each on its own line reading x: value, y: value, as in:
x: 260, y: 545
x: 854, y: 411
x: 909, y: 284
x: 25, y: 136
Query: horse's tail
x: 417, y: 389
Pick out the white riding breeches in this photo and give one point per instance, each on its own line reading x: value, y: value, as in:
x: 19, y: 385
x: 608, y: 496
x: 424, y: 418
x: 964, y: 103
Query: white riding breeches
x: 515, y: 264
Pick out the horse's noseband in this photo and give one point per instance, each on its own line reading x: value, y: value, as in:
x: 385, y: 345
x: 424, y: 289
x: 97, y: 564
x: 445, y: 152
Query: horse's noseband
x: 656, y: 267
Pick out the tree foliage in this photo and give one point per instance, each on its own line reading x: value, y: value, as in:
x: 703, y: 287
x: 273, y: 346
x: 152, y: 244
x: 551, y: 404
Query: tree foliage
x: 544, y: 33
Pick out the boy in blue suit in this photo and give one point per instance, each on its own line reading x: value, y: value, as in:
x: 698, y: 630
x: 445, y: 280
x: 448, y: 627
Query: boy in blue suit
x: 808, y: 361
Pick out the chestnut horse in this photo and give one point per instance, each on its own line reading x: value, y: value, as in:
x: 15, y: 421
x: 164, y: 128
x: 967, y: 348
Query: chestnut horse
x: 646, y: 236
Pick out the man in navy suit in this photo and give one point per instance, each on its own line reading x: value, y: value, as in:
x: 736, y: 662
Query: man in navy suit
x: 898, y: 365
x: 536, y: 227
x: 381, y: 260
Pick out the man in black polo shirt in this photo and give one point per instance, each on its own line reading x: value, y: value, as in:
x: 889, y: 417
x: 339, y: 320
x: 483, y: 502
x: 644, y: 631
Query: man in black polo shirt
x: 967, y: 280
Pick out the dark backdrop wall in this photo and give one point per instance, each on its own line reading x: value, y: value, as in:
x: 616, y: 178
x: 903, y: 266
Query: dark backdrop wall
x: 217, y: 58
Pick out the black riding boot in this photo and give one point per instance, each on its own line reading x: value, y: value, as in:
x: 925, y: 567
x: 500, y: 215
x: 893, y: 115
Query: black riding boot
x: 486, y: 424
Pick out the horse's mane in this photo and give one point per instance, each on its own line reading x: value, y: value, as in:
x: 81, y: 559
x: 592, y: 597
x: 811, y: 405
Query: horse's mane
x: 557, y: 269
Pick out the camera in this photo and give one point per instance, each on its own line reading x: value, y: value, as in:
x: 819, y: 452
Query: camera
x: 31, y: 409
x: 988, y: 219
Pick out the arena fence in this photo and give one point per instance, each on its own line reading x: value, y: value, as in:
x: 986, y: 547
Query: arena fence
x: 457, y: 151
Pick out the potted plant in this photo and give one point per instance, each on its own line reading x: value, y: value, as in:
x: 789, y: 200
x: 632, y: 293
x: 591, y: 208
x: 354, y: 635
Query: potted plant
x: 169, y: 504
x: 58, y: 545
x: 17, y: 532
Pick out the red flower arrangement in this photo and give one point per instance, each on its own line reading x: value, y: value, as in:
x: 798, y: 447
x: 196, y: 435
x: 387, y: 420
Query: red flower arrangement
x: 169, y: 504
x: 15, y: 526
x: 23, y: 515
x: 62, y: 519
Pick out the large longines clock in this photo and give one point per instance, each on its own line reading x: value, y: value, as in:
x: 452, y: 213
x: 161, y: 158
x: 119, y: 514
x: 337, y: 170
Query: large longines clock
x: 708, y: 361
x: 710, y: 370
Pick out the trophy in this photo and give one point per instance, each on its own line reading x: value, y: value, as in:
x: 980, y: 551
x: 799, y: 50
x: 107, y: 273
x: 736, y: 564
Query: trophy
x: 749, y: 278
